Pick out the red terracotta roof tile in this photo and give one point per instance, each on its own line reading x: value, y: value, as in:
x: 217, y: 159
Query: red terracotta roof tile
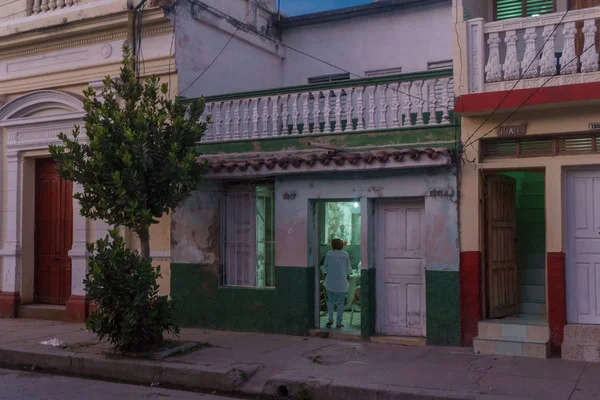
x: 217, y: 165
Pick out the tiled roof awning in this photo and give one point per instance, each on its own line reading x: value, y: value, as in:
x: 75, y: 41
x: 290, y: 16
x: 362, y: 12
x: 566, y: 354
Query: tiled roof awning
x: 325, y: 161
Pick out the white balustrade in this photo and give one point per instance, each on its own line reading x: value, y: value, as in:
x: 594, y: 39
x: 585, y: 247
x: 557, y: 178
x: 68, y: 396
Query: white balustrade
x: 533, y: 50
x: 371, y: 107
x: 43, y: 6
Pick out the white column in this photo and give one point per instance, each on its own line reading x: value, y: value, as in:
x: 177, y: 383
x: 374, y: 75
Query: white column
x: 78, y: 252
x: 476, y: 55
x: 11, y: 272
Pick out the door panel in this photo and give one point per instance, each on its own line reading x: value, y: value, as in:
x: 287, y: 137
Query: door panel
x: 401, y: 283
x: 53, y: 235
x: 502, y: 274
x: 583, y: 247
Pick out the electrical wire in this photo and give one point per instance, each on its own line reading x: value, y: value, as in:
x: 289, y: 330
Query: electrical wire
x: 532, y: 94
x: 524, y: 71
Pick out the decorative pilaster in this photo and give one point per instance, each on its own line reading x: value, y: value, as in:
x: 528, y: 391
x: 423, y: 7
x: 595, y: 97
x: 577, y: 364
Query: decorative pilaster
x: 11, y: 271
x: 77, y: 303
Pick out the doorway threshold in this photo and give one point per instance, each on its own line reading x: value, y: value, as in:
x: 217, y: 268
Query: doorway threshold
x: 400, y: 340
x: 522, y: 319
x: 333, y: 334
x: 48, y: 312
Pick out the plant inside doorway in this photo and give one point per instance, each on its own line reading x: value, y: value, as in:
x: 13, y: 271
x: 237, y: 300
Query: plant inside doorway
x: 140, y: 162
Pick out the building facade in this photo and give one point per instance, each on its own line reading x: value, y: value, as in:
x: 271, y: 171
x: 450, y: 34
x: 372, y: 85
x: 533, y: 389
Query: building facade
x: 331, y: 125
x: 527, y: 92
x: 51, y: 51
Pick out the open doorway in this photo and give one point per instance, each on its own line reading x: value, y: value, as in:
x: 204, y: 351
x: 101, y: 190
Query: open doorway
x: 515, y: 245
x: 340, y: 220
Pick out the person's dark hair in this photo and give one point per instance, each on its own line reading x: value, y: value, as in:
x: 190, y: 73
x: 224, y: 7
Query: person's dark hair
x: 337, y: 244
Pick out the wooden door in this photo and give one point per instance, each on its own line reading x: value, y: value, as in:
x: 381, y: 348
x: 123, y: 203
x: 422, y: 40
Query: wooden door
x: 400, y: 248
x: 583, y: 247
x: 503, y: 287
x: 579, y: 39
x: 53, y: 234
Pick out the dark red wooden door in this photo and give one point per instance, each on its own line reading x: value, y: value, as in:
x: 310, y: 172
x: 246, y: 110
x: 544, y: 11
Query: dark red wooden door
x: 53, y: 234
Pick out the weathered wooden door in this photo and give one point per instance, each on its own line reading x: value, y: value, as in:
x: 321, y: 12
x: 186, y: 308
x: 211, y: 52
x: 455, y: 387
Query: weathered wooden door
x: 580, y: 38
x: 53, y: 234
x: 503, y: 287
x: 400, y: 248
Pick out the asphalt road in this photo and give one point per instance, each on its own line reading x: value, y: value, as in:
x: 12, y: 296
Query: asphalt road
x: 17, y: 385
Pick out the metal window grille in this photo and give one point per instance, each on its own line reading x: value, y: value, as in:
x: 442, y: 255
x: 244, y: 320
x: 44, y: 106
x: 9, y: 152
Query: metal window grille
x: 248, y: 222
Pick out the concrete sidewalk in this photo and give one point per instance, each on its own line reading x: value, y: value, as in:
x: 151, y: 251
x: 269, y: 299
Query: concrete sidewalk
x: 305, y: 368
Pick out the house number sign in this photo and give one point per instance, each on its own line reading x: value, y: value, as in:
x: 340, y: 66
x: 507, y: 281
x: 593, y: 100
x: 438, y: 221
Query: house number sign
x: 595, y: 126
x: 511, y: 131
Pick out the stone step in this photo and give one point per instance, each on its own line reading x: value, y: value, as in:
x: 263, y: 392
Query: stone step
x: 523, y: 329
x: 532, y: 293
x: 512, y: 346
x: 531, y: 307
x: 44, y: 311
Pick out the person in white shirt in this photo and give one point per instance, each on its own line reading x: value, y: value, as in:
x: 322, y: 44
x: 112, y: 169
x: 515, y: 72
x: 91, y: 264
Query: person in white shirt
x: 337, y: 267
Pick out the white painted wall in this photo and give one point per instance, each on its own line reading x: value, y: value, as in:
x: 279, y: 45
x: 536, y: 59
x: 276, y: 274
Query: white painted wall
x: 405, y: 38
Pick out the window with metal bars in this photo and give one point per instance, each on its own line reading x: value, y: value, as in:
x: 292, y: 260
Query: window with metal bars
x: 507, y: 9
x: 248, y: 231
x: 541, y: 146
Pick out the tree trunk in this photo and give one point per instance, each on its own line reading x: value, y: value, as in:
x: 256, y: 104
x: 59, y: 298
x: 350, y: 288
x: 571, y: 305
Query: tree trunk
x: 145, y: 243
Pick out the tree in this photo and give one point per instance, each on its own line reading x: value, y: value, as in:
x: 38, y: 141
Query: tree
x: 141, y: 158
x: 140, y: 162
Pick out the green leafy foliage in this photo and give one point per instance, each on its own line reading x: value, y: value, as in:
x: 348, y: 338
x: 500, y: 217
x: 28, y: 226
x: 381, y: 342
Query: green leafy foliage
x: 141, y: 157
x: 130, y: 314
x: 139, y: 162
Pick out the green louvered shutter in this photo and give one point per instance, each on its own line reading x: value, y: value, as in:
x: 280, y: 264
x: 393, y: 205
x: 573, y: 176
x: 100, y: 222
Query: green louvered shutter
x: 507, y: 9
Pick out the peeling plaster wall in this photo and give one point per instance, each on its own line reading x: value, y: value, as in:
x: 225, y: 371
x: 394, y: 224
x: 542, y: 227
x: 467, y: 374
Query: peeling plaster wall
x: 249, y: 62
x: 373, y: 42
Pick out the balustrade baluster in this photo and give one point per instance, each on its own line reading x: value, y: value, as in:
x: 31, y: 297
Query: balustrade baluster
x: 419, y: 103
x: 217, y: 120
x: 530, y: 64
x: 360, y: 109
x: 255, y: 118
x: 407, y: 103
x: 69, y: 3
x: 275, y: 117
x: 338, y: 110
x: 265, y: 117
x: 589, y: 58
x: 37, y: 6
x: 60, y: 4
x: 246, y: 120
x: 285, y: 115
x: 383, y: 106
x: 493, y: 69
x: 327, y: 111
x: 208, y: 135
x: 227, y: 122
x: 432, y: 103
x: 349, y: 121
x: 236, y: 119
x: 52, y: 5
x: 295, y: 114
x: 395, y: 105
x: 371, y: 106
x: 548, y: 60
x: 445, y: 103
x: 44, y: 6
x: 511, y: 63
x: 569, y: 60
x: 316, y: 112
x: 305, y: 114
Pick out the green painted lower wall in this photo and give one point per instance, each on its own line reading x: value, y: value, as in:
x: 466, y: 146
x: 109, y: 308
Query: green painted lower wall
x: 368, y: 303
x: 201, y: 302
x: 443, y: 313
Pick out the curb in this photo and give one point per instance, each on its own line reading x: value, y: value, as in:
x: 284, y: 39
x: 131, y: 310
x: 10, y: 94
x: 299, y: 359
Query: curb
x: 295, y: 387
x: 197, y: 377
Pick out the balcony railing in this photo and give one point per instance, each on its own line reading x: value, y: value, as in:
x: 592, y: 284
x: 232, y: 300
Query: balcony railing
x: 533, y: 49
x: 351, y: 106
x: 42, y: 6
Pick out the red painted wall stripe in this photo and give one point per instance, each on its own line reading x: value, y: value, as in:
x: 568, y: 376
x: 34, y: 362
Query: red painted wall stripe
x: 470, y: 295
x: 557, y: 298
x: 487, y: 102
